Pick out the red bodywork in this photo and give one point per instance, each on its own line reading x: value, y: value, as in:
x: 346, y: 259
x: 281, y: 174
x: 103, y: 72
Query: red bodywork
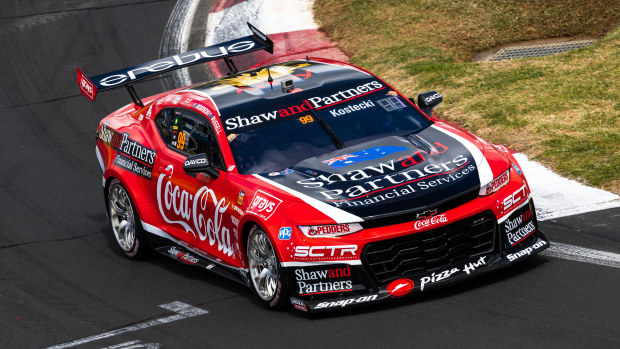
x: 212, y: 217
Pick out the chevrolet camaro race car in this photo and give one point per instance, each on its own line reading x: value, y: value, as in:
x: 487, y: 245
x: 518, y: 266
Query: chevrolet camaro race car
x: 313, y: 182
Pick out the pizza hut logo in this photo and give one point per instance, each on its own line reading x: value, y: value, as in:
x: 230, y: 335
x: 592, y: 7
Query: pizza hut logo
x: 263, y: 205
x: 400, y: 287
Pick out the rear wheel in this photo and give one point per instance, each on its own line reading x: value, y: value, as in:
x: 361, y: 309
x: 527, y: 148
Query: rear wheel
x: 125, y: 222
x: 265, y: 272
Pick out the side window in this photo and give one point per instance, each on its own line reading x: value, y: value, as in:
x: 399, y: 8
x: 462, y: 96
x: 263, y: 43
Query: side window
x: 189, y: 133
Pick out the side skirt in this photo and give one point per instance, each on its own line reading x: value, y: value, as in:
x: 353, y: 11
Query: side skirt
x: 183, y: 252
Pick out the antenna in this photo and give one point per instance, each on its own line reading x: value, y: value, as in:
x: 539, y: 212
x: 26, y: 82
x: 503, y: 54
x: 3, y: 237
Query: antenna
x: 269, y: 79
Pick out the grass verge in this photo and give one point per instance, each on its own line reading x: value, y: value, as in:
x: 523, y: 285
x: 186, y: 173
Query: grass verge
x: 561, y: 110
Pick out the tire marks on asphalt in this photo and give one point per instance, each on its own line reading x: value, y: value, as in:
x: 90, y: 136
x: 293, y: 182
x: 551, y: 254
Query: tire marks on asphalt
x: 582, y: 254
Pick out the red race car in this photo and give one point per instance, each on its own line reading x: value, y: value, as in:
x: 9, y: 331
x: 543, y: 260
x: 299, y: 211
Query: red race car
x: 313, y: 182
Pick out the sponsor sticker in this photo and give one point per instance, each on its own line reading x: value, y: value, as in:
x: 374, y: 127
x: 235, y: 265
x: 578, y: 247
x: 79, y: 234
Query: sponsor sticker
x: 131, y: 155
x: 467, y: 268
x: 183, y: 256
x: 345, y: 302
x: 521, y: 233
x: 240, y: 197
x: 513, y: 200
x: 310, y: 103
x: 526, y: 251
x: 187, y: 209
x: 323, y: 280
x: 400, y: 287
x: 237, y: 209
x: 428, y: 222
x: 519, y: 227
x: 87, y: 88
x: 318, y: 231
x: 285, y: 233
x: 234, y: 220
x: 299, y: 304
x: 324, y: 252
x: 263, y: 205
x: 391, y: 179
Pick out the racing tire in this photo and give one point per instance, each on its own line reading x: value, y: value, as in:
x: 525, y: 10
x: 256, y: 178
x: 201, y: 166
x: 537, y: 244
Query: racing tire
x: 130, y: 236
x: 266, y: 277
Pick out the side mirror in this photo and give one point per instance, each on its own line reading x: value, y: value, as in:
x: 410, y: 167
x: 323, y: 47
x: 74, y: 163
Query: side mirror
x: 200, y: 164
x: 429, y: 100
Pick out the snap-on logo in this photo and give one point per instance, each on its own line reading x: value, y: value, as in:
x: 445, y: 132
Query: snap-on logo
x: 263, y: 204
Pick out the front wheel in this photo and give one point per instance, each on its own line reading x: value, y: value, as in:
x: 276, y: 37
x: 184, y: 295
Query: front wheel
x: 126, y: 223
x: 267, y: 279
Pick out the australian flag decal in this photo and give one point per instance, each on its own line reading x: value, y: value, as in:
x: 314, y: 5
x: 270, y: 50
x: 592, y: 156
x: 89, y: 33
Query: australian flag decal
x: 362, y: 155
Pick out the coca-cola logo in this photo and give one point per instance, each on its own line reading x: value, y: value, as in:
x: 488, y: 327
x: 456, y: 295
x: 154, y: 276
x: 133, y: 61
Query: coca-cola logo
x: 425, y: 223
x: 177, y: 206
x: 263, y: 204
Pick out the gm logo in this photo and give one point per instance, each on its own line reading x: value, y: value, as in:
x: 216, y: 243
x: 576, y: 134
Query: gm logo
x: 285, y: 233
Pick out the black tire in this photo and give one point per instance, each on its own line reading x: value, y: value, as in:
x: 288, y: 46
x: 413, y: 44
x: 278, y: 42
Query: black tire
x: 125, y: 222
x: 266, y: 277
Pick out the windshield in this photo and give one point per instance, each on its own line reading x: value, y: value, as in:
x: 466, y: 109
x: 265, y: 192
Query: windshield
x: 279, y: 145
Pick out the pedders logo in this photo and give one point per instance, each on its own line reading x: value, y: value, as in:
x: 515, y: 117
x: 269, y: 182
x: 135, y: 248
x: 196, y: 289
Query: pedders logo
x: 400, y: 287
x: 177, y: 206
x: 425, y: 223
x: 263, y: 204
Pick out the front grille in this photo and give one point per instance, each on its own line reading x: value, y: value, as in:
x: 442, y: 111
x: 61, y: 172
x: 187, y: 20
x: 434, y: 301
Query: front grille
x: 431, y: 251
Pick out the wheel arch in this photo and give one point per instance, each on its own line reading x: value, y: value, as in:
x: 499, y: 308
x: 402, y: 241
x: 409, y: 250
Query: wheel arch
x: 247, y: 228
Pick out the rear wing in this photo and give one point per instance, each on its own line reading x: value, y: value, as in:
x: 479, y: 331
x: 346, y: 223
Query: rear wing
x: 90, y: 86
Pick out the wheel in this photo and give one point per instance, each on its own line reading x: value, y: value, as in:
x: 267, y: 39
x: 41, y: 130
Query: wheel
x: 265, y: 273
x: 123, y: 218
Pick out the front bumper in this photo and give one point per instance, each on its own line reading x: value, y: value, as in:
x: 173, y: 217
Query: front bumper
x: 416, y: 263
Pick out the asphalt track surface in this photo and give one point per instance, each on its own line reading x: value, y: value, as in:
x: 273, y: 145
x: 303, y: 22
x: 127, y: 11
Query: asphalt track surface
x: 62, y: 278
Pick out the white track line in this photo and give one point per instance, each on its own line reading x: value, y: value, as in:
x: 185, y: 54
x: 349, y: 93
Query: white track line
x: 556, y: 196
x: 582, y: 254
x: 270, y: 16
x: 183, y: 311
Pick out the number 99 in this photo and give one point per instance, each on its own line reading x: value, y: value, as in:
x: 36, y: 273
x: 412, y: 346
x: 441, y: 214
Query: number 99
x: 306, y: 119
